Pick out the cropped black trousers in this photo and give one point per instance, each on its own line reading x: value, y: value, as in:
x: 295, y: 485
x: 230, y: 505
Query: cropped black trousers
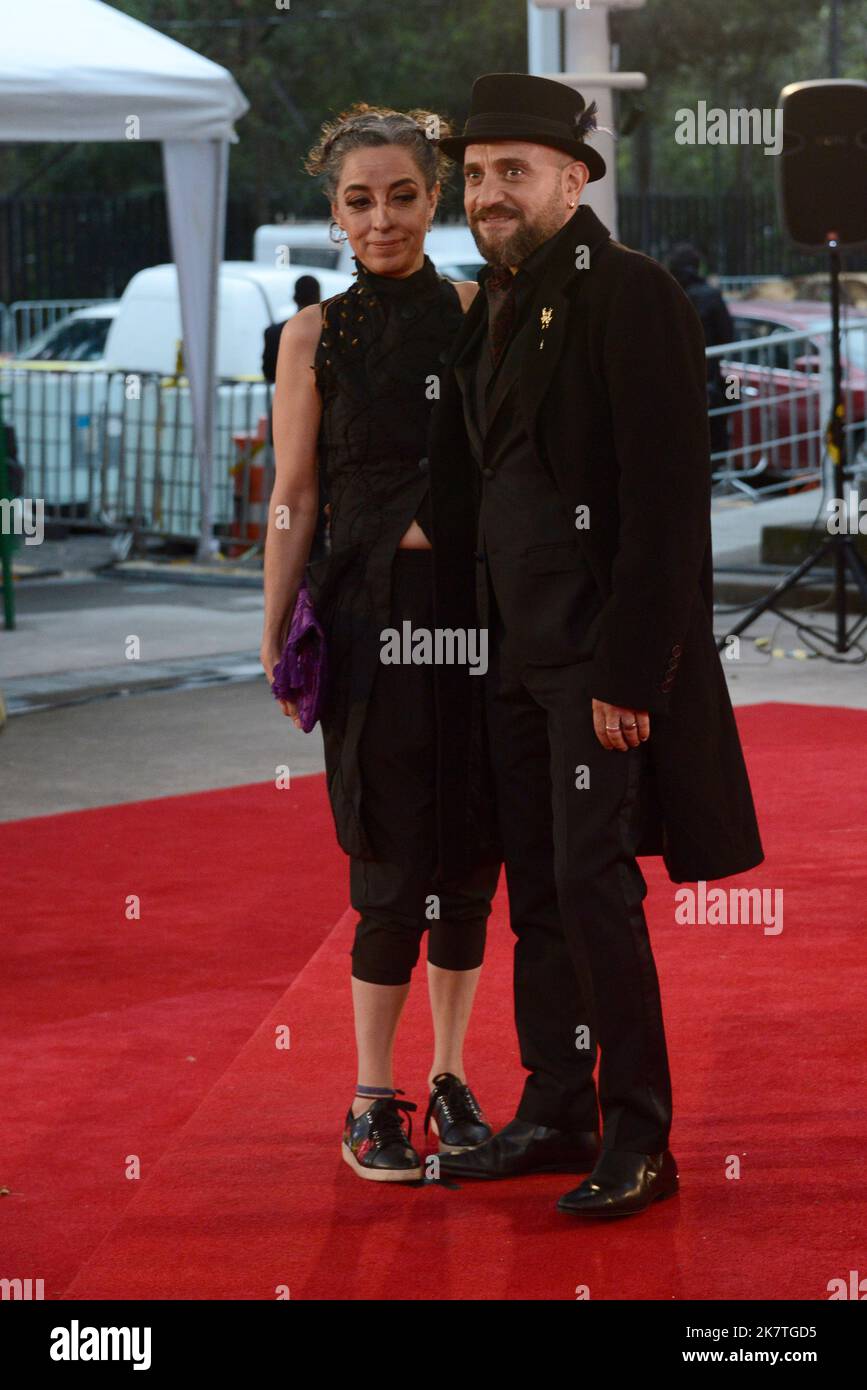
x: 394, y: 893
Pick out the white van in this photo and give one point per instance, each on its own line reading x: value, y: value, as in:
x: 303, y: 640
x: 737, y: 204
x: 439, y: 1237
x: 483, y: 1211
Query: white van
x: 288, y: 244
x: 146, y: 333
x: 450, y: 246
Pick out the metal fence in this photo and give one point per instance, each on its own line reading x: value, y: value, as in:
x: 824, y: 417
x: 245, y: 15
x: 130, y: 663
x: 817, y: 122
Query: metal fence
x: 22, y: 320
x: 738, y: 233
x: 115, y: 449
x: 774, y: 401
x: 7, y: 330
x: 56, y: 245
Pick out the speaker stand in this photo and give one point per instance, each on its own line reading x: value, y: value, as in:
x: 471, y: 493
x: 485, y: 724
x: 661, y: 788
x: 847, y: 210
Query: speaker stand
x: 844, y: 555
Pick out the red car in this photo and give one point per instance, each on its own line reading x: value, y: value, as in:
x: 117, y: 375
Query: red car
x: 783, y: 410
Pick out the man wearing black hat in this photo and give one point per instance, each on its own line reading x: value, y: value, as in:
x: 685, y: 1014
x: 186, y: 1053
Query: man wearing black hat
x: 570, y: 491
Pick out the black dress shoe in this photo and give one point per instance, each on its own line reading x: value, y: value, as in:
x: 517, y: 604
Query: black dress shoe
x: 623, y: 1183
x: 525, y: 1148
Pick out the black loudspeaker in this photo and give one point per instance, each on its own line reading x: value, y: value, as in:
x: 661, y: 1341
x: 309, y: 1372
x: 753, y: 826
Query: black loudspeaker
x: 822, y: 169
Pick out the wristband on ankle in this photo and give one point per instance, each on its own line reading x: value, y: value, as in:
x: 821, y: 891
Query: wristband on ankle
x: 376, y: 1092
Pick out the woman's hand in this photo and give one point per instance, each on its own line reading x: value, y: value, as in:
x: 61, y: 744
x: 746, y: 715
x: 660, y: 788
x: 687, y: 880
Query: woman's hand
x: 269, y: 656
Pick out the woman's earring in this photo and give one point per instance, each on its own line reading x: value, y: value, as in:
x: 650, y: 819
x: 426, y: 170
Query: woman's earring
x: 340, y: 238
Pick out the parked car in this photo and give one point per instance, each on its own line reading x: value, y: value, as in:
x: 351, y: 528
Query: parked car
x: 813, y: 288
x: 78, y: 337
x: 783, y: 386
x: 450, y: 246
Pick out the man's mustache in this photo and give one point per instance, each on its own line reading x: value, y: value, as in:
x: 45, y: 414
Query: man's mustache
x: 494, y: 212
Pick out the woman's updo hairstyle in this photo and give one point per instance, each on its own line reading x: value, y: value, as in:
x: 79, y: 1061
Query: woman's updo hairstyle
x: 362, y: 126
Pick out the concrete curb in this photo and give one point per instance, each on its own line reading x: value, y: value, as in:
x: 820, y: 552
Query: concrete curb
x: 30, y: 694
x: 182, y: 574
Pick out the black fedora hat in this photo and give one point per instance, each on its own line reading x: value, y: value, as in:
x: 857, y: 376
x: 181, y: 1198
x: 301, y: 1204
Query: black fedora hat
x: 518, y: 106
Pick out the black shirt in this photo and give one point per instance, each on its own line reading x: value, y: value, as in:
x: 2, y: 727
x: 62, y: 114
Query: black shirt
x: 529, y: 273
x: 545, y: 594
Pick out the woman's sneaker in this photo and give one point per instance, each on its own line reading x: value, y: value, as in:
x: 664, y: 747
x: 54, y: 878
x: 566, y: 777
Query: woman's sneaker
x: 375, y: 1145
x: 455, y: 1115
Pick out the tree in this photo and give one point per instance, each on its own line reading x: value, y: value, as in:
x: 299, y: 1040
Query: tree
x: 733, y: 55
x: 297, y: 66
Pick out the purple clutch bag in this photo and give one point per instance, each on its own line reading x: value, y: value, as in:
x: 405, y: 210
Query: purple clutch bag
x: 299, y: 675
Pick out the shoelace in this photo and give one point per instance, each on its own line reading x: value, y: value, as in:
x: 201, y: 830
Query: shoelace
x: 386, y: 1127
x: 458, y: 1103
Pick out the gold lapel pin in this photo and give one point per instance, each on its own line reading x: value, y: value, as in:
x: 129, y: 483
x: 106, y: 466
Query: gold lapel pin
x: 547, y: 315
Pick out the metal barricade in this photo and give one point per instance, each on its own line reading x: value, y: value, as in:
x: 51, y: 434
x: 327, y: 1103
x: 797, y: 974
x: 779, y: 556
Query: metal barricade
x: 115, y: 449
x: 7, y: 331
x: 776, y: 392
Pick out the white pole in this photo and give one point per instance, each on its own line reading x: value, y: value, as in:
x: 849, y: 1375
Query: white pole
x: 544, y: 53
x: 586, y: 65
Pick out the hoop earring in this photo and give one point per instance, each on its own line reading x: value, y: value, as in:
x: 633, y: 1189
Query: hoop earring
x: 338, y: 240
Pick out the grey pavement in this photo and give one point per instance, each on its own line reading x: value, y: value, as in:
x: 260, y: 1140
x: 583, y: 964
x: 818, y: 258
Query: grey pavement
x: 88, y: 726
x: 737, y: 524
x: 120, y: 749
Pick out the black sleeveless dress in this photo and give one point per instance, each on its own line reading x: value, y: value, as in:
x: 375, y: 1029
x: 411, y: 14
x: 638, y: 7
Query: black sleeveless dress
x: 383, y: 346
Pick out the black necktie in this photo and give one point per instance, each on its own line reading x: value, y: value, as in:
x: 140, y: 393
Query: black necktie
x: 500, y: 289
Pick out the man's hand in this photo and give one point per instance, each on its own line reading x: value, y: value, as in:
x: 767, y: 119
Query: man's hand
x: 620, y: 728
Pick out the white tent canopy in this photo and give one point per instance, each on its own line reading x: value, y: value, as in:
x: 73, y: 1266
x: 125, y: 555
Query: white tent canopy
x: 80, y: 70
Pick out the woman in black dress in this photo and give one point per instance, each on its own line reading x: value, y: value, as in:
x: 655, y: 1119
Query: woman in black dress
x: 356, y: 380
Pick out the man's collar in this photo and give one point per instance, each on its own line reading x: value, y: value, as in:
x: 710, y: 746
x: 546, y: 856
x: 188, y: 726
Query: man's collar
x: 538, y: 259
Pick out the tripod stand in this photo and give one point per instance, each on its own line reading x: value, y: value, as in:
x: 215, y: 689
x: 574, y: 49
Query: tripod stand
x: 840, y: 548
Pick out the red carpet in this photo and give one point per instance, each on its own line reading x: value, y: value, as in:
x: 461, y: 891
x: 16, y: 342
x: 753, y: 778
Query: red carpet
x: 114, y: 1030
x: 243, y: 1191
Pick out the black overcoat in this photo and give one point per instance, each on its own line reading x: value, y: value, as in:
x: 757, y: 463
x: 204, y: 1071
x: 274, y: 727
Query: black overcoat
x: 613, y: 396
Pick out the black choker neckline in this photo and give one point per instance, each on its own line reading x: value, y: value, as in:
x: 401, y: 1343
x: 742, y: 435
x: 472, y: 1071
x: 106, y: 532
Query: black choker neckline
x: 421, y: 280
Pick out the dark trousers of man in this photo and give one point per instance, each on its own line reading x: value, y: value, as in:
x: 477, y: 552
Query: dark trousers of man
x: 582, y: 952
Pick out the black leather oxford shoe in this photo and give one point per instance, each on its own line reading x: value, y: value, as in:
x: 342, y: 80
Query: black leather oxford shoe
x: 623, y: 1183
x: 525, y: 1148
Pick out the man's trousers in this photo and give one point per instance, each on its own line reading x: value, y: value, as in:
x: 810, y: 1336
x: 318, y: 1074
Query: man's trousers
x: 571, y: 815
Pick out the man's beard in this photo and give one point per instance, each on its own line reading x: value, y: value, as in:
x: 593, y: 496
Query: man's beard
x: 521, y: 242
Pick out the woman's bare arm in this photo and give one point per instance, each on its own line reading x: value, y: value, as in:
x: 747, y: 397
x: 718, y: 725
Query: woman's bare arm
x: 294, y: 505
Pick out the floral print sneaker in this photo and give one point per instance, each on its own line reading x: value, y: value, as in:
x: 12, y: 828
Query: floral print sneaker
x: 376, y: 1146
